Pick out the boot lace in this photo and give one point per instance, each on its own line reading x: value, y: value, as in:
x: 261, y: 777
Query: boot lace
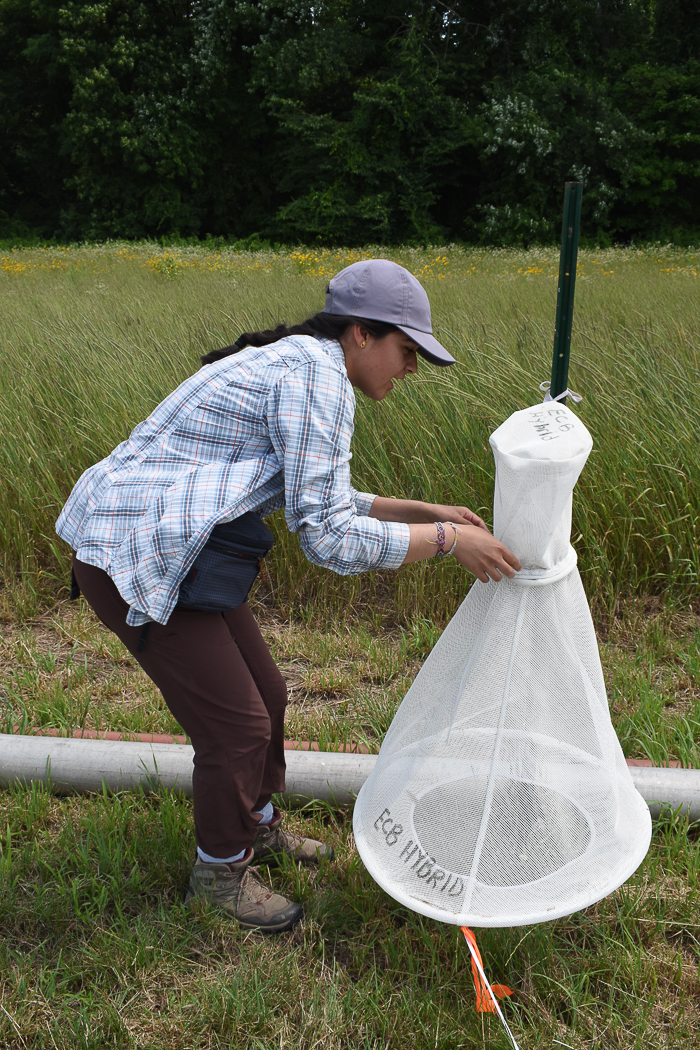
x: 253, y: 888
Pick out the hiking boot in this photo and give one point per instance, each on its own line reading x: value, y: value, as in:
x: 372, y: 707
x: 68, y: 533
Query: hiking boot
x: 271, y: 843
x: 238, y: 890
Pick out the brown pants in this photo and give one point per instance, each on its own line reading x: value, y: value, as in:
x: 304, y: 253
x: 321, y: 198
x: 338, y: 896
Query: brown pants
x: 220, y: 682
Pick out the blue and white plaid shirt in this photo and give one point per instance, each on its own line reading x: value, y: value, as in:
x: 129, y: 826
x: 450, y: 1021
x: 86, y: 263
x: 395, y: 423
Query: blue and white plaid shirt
x: 266, y: 428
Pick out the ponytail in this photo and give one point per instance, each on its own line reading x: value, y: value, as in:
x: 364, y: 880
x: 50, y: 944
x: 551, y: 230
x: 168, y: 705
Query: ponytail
x: 322, y: 326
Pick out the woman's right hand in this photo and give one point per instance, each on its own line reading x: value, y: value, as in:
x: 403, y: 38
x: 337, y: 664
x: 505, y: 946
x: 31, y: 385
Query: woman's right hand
x: 480, y: 552
x: 477, y: 550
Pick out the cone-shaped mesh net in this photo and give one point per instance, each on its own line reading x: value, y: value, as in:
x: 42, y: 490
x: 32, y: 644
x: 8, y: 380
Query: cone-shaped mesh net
x: 501, y: 796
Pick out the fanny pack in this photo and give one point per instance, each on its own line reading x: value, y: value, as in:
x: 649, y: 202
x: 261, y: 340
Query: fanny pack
x: 227, y: 566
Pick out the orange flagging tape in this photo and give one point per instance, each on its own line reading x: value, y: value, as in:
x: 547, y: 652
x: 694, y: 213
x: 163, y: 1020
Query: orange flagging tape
x: 484, y: 1002
x: 487, y: 995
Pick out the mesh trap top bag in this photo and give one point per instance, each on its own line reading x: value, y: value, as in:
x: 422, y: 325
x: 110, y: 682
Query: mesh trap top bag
x: 501, y: 796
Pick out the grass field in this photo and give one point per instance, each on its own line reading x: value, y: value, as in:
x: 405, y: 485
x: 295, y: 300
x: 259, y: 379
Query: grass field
x: 97, y: 949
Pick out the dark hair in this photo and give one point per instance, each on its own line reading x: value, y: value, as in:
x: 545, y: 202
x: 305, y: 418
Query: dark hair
x: 323, y: 326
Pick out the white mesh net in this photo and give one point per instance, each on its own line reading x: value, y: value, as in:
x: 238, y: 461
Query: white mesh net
x: 501, y: 796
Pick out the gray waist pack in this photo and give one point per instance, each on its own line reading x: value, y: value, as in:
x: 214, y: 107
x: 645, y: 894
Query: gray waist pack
x: 226, y: 567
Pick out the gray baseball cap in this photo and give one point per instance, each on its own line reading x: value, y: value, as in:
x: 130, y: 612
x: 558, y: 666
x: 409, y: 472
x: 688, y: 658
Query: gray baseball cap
x: 381, y: 290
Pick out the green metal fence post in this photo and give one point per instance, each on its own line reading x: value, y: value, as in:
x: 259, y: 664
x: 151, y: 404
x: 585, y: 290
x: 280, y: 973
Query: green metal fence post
x: 571, y: 225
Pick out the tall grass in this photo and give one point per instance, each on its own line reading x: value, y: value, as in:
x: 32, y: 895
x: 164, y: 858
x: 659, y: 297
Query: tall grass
x: 94, y: 338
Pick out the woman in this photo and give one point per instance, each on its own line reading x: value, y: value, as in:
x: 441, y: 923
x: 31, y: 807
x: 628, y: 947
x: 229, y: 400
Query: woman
x: 265, y: 424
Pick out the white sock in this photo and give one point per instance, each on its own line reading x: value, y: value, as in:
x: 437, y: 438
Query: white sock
x: 220, y: 860
x: 267, y: 813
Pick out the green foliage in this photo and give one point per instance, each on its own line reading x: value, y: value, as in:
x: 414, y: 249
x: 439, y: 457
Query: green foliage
x: 553, y: 127
x: 34, y: 99
x: 662, y: 180
x: 342, y: 121
x: 128, y: 130
x: 364, y: 128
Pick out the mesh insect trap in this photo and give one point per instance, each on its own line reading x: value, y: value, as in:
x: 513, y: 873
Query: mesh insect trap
x: 501, y: 796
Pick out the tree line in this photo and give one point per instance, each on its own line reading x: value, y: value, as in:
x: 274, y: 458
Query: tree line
x: 349, y: 121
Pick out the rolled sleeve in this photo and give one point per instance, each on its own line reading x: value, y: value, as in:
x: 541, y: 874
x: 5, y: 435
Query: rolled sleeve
x: 311, y: 423
x: 363, y: 502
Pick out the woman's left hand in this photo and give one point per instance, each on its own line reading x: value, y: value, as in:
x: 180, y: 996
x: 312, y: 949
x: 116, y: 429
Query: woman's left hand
x: 458, y: 515
x: 415, y: 512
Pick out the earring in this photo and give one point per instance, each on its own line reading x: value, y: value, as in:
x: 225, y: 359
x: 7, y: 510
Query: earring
x: 363, y: 344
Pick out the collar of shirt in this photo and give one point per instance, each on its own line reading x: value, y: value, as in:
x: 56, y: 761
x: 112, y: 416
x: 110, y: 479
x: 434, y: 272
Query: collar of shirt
x: 333, y: 348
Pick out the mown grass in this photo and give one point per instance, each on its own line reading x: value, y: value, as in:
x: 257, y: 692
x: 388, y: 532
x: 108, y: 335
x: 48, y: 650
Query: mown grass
x: 98, y: 950
x: 96, y: 947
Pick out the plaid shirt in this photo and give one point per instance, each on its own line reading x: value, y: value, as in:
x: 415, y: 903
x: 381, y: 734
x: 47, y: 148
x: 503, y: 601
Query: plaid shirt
x: 266, y: 428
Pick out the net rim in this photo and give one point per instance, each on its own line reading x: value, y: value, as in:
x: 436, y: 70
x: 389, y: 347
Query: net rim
x: 576, y: 903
